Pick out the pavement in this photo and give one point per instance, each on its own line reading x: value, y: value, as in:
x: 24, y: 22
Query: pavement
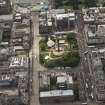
x: 86, y: 60
x: 36, y: 67
x: 29, y: 1
x: 83, y: 48
x: 35, y: 64
x: 34, y: 54
x: 77, y: 103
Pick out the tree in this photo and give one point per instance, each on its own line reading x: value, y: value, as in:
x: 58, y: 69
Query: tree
x: 70, y: 37
x: 43, y: 46
x: 73, y: 3
x: 41, y: 59
x: 90, y: 3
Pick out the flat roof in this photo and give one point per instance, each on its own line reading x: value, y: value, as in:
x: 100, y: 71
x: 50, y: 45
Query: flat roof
x: 10, y: 92
x: 6, y: 17
x: 61, y: 79
x: 6, y: 83
x: 68, y: 15
x: 90, y: 34
x: 19, y: 62
x: 54, y: 93
x: 57, y: 11
x: 70, y: 79
x: 18, y: 48
x: 21, y: 74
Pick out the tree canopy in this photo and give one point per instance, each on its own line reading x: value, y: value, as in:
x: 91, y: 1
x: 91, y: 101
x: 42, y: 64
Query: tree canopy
x: 90, y: 3
x: 75, y: 3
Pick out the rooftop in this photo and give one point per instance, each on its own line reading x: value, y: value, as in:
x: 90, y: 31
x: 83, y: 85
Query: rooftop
x: 6, y: 17
x: 99, y: 79
x: 54, y: 93
x: 7, y: 83
x: 19, y: 62
x: 10, y: 92
x: 55, y: 80
x: 68, y: 15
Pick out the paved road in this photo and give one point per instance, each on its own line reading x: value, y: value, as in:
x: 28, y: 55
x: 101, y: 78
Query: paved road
x: 86, y: 60
x: 34, y: 53
x: 36, y: 67
x: 83, y: 48
x: 29, y: 1
x: 76, y: 103
x: 35, y: 61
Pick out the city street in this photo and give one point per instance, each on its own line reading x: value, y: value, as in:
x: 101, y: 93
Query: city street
x: 35, y: 62
x: 34, y: 54
x: 86, y: 60
x: 83, y: 48
x: 36, y: 67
